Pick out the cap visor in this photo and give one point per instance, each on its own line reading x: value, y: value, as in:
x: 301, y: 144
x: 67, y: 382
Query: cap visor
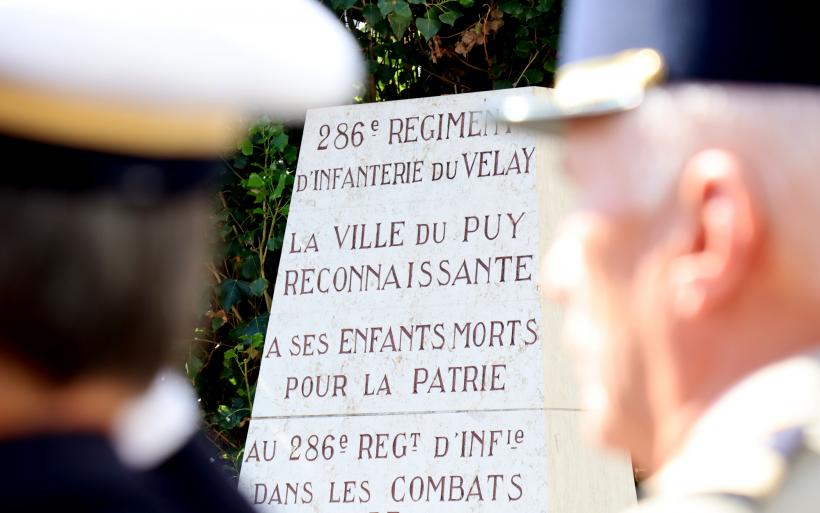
x: 542, y: 109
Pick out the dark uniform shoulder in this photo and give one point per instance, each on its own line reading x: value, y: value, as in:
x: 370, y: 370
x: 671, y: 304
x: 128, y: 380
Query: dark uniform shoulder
x: 71, y: 472
x: 190, y: 481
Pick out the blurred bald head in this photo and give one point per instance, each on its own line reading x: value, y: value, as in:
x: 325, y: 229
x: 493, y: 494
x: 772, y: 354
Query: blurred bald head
x: 768, y: 133
x: 695, y: 252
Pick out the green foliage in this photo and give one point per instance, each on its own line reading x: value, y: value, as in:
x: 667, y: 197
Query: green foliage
x: 417, y: 48
x: 414, y: 48
x: 251, y: 211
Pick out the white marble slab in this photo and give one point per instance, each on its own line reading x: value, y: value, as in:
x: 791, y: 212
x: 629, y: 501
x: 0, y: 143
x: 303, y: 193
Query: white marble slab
x: 407, y: 313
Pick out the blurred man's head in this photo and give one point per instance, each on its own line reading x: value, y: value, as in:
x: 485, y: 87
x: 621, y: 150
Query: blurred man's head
x: 98, y: 286
x: 690, y: 258
x: 103, y: 219
x: 687, y: 263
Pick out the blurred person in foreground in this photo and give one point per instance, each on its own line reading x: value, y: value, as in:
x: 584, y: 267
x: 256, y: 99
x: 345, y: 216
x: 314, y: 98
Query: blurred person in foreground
x: 112, y: 119
x: 689, y: 265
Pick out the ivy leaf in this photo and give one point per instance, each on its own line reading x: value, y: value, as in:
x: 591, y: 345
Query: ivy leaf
x: 290, y: 154
x: 254, y: 181
x: 450, y: 17
x: 256, y: 326
x: 534, y: 76
x: 216, y: 323
x: 258, y: 339
x: 372, y: 14
x: 275, y: 243
x: 428, y: 26
x: 387, y: 6
x: 545, y: 5
x: 258, y: 286
x: 513, y: 7
x: 399, y: 21
x: 280, y: 141
x: 230, y: 292
x: 523, y: 48
x: 194, y: 365
x: 246, y: 147
x: 250, y: 267
x: 280, y: 186
x: 402, y: 8
x: 466, y: 3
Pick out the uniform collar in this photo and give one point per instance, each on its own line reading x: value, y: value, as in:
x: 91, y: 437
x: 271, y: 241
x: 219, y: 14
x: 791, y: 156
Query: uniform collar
x: 736, y: 446
x: 157, y: 424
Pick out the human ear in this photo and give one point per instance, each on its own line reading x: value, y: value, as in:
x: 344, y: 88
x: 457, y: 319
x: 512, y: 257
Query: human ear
x: 722, y: 230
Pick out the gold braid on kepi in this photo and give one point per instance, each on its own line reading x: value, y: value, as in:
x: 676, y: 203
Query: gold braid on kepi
x: 116, y: 127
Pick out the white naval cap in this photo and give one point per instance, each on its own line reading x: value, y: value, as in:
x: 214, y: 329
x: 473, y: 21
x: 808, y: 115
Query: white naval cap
x: 166, y: 77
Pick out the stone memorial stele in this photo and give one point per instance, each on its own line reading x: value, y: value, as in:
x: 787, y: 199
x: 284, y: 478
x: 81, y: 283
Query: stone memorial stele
x: 410, y: 364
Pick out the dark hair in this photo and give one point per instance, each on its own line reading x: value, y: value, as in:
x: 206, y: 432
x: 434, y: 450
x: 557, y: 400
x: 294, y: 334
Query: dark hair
x: 96, y: 284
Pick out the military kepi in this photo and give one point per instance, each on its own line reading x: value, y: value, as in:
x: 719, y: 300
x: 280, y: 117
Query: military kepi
x: 611, y: 52
x: 100, y: 95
